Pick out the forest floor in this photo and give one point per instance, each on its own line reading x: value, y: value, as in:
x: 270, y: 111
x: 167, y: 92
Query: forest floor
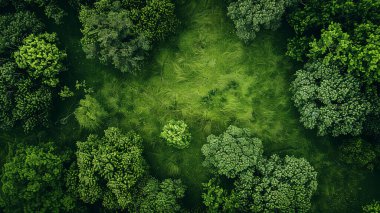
x: 207, y: 77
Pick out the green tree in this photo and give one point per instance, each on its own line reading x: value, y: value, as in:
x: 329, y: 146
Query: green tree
x: 215, y: 198
x: 22, y: 101
x: 110, y: 168
x: 161, y: 197
x: 40, y: 56
x: 373, y: 207
x: 249, y: 16
x: 90, y: 114
x: 122, y: 32
x: 32, y: 181
x: 277, y: 184
x: 232, y: 152
x: 176, y: 134
x: 15, y: 28
x: 359, y: 153
x: 328, y: 101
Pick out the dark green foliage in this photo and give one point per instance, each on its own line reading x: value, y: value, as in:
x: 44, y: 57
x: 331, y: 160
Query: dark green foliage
x: 122, y: 32
x: 161, y: 197
x: 33, y: 181
x: 328, y: 101
x: 110, y: 168
x: 21, y: 101
x: 260, y: 184
x: 278, y: 184
x: 90, y: 114
x: 232, y: 152
x: 373, y: 207
x: 176, y: 134
x: 40, y: 56
x: 349, y: 34
x: 15, y: 27
x: 251, y: 15
x: 359, y: 153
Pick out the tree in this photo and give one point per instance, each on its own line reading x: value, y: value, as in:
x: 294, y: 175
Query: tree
x: 161, y: 197
x: 216, y: 199
x: 21, y: 100
x: 249, y: 16
x: 278, y: 184
x: 232, y: 152
x: 15, y: 28
x: 328, y: 101
x: 40, y: 56
x: 90, y: 114
x: 110, y: 168
x: 359, y: 153
x: 32, y: 180
x: 122, y: 32
x: 176, y: 134
x: 373, y: 207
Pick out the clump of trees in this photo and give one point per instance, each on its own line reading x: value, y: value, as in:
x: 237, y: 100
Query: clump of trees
x: 33, y: 180
x: 90, y: 114
x: 122, y: 32
x: 260, y: 184
x: 176, y: 134
x: 249, y: 16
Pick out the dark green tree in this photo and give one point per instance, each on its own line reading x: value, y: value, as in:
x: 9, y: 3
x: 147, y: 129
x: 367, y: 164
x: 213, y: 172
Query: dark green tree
x: 15, y: 28
x: 232, y: 152
x: 110, y: 168
x: 249, y: 16
x: 121, y: 32
x: 359, y: 153
x: 161, y: 197
x: 328, y: 101
x: 33, y: 181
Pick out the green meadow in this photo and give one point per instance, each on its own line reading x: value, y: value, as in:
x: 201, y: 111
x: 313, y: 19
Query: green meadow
x: 209, y: 78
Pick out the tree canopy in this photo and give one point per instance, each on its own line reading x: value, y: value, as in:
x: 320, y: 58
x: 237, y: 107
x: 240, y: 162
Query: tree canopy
x: 176, y: 134
x: 90, y: 113
x: 33, y: 180
x: 328, y: 101
x: 121, y: 32
x: 110, y: 168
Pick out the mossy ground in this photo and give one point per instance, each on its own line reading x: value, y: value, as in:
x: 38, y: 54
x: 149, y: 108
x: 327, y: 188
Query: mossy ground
x: 207, y: 77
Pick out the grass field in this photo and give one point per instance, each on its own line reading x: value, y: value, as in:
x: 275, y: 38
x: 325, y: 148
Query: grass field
x: 207, y: 77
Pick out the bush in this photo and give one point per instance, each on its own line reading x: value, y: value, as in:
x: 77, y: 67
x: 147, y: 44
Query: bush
x: 90, y: 113
x: 358, y: 153
x: 176, y: 134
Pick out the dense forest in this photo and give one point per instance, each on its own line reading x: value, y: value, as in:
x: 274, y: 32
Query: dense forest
x: 190, y: 106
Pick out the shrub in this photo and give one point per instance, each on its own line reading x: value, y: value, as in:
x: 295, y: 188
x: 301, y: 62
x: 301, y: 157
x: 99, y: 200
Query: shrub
x: 176, y: 134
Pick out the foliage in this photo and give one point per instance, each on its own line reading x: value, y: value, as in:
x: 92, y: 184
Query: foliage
x: 110, y: 167
x: 176, y: 134
x: 359, y: 54
x: 215, y: 197
x: 328, y: 101
x: 122, y: 32
x: 41, y: 57
x: 373, y: 207
x: 249, y: 16
x: 348, y: 32
x: 32, y: 180
x: 359, y: 153
x: 90, y: 114
x: 232, y: 152
x: 15, y: 27
x: 278, y: 184
x: 22, y: 101
x: 66, y: 92
x: 161, y: 197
